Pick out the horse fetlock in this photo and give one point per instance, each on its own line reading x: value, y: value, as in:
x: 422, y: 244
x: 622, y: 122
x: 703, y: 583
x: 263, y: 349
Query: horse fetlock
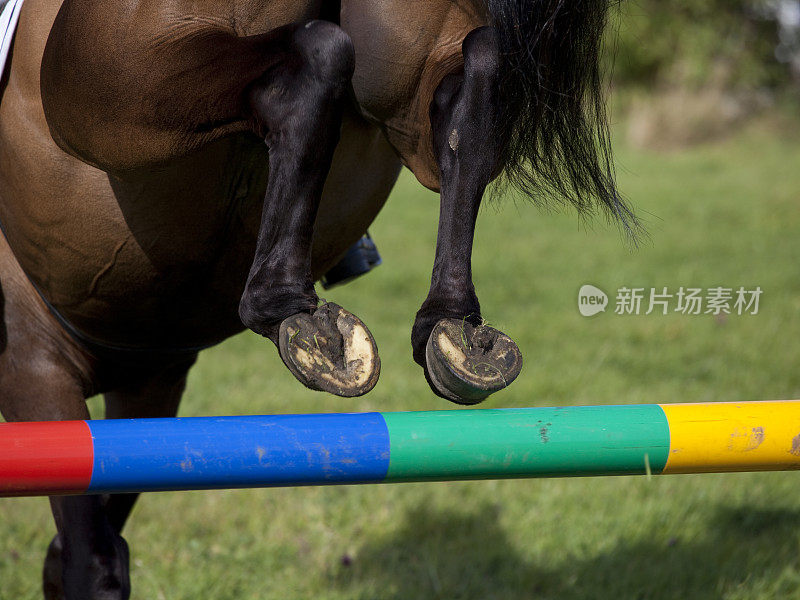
x: 330, y: 350
x: 466, y: 363
x: 435, y: 310
x: 263, y: 308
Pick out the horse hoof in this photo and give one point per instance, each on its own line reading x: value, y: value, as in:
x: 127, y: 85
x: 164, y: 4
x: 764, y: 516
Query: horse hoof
x: 466, y: 364
x: 330, y: 351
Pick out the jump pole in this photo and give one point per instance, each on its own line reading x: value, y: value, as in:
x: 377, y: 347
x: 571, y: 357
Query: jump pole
x: 137, y: 455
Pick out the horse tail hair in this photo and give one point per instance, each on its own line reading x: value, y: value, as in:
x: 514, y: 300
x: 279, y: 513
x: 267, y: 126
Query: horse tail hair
x: 555, y: 131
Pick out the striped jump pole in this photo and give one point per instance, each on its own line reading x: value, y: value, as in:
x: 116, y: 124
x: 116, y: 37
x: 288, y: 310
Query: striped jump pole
x: 92, y: 457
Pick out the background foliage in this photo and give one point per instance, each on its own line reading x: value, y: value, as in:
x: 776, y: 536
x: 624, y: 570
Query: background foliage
x: 693, y: 71
x: 696, y: 43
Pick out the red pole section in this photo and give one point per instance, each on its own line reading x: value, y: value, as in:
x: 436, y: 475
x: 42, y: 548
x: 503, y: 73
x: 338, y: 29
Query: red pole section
x: 46, y: 458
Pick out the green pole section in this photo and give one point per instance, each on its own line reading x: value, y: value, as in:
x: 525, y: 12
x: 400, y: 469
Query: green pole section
x: 527, y: 442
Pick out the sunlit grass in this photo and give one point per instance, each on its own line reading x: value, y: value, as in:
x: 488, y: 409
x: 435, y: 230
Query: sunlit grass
x: 727, y: 214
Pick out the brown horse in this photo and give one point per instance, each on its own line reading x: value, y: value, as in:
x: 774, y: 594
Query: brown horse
x: 145, y: 217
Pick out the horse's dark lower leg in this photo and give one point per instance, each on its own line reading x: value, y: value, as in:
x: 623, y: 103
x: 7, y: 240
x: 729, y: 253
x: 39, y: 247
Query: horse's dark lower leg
x: 92, y: 556
x: 298, y: 108
x: 40, y: 380
x: 464, y: 360
x: 89, y: 557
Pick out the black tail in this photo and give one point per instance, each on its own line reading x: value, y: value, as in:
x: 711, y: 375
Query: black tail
x: 557, y: 137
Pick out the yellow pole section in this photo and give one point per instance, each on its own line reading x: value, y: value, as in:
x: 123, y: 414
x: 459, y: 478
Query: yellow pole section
x: 733, y: 436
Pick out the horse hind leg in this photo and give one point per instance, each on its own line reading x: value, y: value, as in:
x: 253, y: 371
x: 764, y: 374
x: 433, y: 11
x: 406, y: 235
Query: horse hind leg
x: 89, y: 558
x: 44, y: 377
x: 298, y: 108
x: 464, y: 360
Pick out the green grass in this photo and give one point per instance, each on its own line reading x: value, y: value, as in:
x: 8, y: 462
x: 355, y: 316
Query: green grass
x: 726, y: 214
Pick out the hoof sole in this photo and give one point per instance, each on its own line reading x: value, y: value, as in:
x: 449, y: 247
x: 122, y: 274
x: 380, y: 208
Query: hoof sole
x: 466, y: 364
x: 330, y: 351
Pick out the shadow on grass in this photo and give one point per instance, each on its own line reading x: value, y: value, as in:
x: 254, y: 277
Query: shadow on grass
x: 449, y: 555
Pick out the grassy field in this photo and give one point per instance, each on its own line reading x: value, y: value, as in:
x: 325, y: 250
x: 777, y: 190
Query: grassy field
x: 726, y: 214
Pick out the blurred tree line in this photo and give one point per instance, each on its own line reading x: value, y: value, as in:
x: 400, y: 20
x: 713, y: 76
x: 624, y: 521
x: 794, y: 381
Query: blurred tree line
x: 694, y: 71
x: 729, y: 44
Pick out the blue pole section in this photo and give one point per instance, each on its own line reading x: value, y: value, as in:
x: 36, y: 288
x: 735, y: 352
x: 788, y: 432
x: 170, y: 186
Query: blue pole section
x: 238, y: 452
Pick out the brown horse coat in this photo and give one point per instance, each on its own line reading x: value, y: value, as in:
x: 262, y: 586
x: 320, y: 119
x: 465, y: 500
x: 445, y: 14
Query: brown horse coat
x: 145, y: 217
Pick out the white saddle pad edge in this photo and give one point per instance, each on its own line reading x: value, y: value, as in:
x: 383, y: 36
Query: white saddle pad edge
x: 9, y: 17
